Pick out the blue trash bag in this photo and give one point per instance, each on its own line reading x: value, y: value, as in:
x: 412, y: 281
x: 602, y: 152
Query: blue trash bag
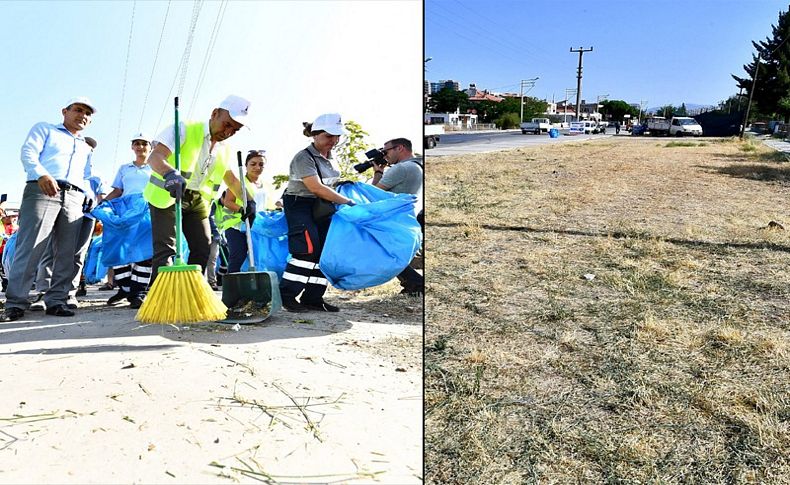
x: 370, y: 243
x: 94, y: 270
x: 127, y: 230
x: 269, y: 242
x: 8, y: 254
x: 554, y: 133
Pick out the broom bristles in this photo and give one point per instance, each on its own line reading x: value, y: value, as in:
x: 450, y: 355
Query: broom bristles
x: 181, y: 297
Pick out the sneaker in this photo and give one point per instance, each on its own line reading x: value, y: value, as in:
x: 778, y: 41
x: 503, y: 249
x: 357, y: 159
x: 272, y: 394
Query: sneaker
x: 11, y: 314
x: 294, y: 306
x: 135, y: 302
x: 107, y: 287
x: 38, y: 306
x: 60, y: 311
x: 321, y: 306
x: 81, y: 291
x: 116, y: 298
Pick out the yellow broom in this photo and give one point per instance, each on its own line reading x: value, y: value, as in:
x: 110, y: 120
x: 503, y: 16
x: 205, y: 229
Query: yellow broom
x: 180, y: 293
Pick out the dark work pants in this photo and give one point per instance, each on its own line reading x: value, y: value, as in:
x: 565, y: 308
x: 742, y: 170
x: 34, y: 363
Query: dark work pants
x: 305, y: 241
x: 409, y: 278
x: 133, y: 278
x: 237, y: 249
x: 195, y: 225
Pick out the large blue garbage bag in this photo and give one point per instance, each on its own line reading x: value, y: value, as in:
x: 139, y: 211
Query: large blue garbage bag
x: 8, y: 254
x: 94, y: 270
x: 270, y: 242
x: 370, y: 243
x: 127, y: 230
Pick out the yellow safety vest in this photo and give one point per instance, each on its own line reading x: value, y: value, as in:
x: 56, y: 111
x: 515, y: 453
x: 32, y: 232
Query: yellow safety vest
x: 223, y: 217
x: 155, y: 193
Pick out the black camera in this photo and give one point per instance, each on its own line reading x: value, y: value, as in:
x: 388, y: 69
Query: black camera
x: 375, y: 155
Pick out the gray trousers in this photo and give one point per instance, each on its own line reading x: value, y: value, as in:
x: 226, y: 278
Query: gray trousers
x: 42, y: 218
x: 44, y: 275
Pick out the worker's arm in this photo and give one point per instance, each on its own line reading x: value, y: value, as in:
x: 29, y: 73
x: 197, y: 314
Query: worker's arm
x: 229, y: 201
x: 158, y: 159
x: 114, y: 193
x: 314, y: 185
x: 233, y: 184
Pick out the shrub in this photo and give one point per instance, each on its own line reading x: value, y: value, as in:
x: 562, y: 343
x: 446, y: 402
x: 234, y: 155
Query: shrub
x: 508, y: 120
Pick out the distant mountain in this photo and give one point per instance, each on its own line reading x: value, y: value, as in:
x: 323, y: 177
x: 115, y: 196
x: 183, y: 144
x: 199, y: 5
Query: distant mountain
x: 689, y: 107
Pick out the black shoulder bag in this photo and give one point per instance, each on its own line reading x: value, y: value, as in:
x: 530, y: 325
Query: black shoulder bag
x: 322, y: 208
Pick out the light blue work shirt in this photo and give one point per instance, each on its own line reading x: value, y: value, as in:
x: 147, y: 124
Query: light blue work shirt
x: 52, y: 150
x: 131, y: 178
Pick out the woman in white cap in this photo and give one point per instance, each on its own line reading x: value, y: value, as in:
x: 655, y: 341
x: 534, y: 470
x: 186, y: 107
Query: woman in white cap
x: 311, y: 177
x: 132, y: 279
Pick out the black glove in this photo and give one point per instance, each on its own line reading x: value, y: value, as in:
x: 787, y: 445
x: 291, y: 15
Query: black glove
x: 351, y: 203
x: 249, y: 211
x: 174, y: 183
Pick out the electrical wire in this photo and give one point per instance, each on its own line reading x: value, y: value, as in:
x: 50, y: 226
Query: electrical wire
x: 123, y: 88
x: 207, y: 57
x: 153, y: 67
x: 183, y: 66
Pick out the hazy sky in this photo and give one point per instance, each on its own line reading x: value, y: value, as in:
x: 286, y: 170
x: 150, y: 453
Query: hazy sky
x: 665, y: 52
x: 292, y: 59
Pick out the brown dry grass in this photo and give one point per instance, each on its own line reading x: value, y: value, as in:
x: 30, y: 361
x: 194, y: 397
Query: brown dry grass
x: 671, y: 365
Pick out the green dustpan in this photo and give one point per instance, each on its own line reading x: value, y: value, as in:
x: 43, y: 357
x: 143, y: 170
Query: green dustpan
x: 251, y: 296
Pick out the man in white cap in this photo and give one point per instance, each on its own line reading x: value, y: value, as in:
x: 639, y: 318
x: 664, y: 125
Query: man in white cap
x: 56, y: 159
x: 206, y: 162
x: 132, y: 278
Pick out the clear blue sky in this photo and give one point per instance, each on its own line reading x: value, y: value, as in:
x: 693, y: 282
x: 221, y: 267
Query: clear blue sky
x: 292, y: 59
x: 665, y: 52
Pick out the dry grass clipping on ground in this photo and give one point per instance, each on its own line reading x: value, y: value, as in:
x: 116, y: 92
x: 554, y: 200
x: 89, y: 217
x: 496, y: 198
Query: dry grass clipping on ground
x: 670, y: 364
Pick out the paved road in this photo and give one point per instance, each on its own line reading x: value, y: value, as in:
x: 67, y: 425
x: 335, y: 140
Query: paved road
x: 463, y: 143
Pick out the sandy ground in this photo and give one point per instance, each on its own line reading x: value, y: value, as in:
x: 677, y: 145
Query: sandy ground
x: 302, y: 398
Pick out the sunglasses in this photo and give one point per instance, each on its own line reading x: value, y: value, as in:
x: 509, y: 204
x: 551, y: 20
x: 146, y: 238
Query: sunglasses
x: 385, y: 149
x: 256, y: 152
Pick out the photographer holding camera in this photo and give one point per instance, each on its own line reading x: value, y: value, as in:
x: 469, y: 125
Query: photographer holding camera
x: 404, y: 176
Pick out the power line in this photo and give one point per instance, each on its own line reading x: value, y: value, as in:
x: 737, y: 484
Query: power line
x: 123, y: 88
x: 207, y: 58
x: 182, y: 66
x: 153, y: 67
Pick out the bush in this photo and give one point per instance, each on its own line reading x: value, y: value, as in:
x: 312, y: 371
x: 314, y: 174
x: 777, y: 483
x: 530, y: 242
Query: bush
x: 508, y: 120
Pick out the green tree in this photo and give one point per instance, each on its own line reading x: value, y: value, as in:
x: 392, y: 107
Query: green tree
x: 448, y: 101
x: 616, y: 110
x: 773, y: 76
x: 682, y: 111
x: 485, y: 110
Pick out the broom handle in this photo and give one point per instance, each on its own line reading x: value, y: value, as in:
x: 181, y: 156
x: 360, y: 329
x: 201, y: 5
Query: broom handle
x: 177, y: 128
x: 246, y: 219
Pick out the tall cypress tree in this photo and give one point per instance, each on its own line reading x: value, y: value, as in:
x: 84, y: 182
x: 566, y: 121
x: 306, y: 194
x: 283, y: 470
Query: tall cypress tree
x: 772, y: 92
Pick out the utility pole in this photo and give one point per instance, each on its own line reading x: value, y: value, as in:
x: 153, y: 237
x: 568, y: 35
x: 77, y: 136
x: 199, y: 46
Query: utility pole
x: 598, y: 99
x: 529, y: 83
x: 641, y: 103
x: 568, y: 92
x: 751, y: 93
x: 581, y: 52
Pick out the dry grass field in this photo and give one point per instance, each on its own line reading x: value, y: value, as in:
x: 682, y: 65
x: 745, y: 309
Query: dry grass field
x: 613, y: 311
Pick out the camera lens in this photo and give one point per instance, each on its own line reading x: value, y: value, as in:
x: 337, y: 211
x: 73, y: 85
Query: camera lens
x: 361, y: 167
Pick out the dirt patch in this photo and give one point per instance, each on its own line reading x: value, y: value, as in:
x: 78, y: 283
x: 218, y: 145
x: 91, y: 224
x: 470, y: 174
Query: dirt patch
x: 612, y: 311
x: 302, y: 398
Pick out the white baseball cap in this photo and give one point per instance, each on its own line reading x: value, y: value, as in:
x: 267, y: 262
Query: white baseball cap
x: 237, y: 107
x: 330, y: 123
x: 82, y: 100
x: 141, y: 136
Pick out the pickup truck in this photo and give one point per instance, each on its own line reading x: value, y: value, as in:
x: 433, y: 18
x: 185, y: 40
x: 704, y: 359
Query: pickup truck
x: 431, y: 134
x: 677, y: 126
x: 536, y: 126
